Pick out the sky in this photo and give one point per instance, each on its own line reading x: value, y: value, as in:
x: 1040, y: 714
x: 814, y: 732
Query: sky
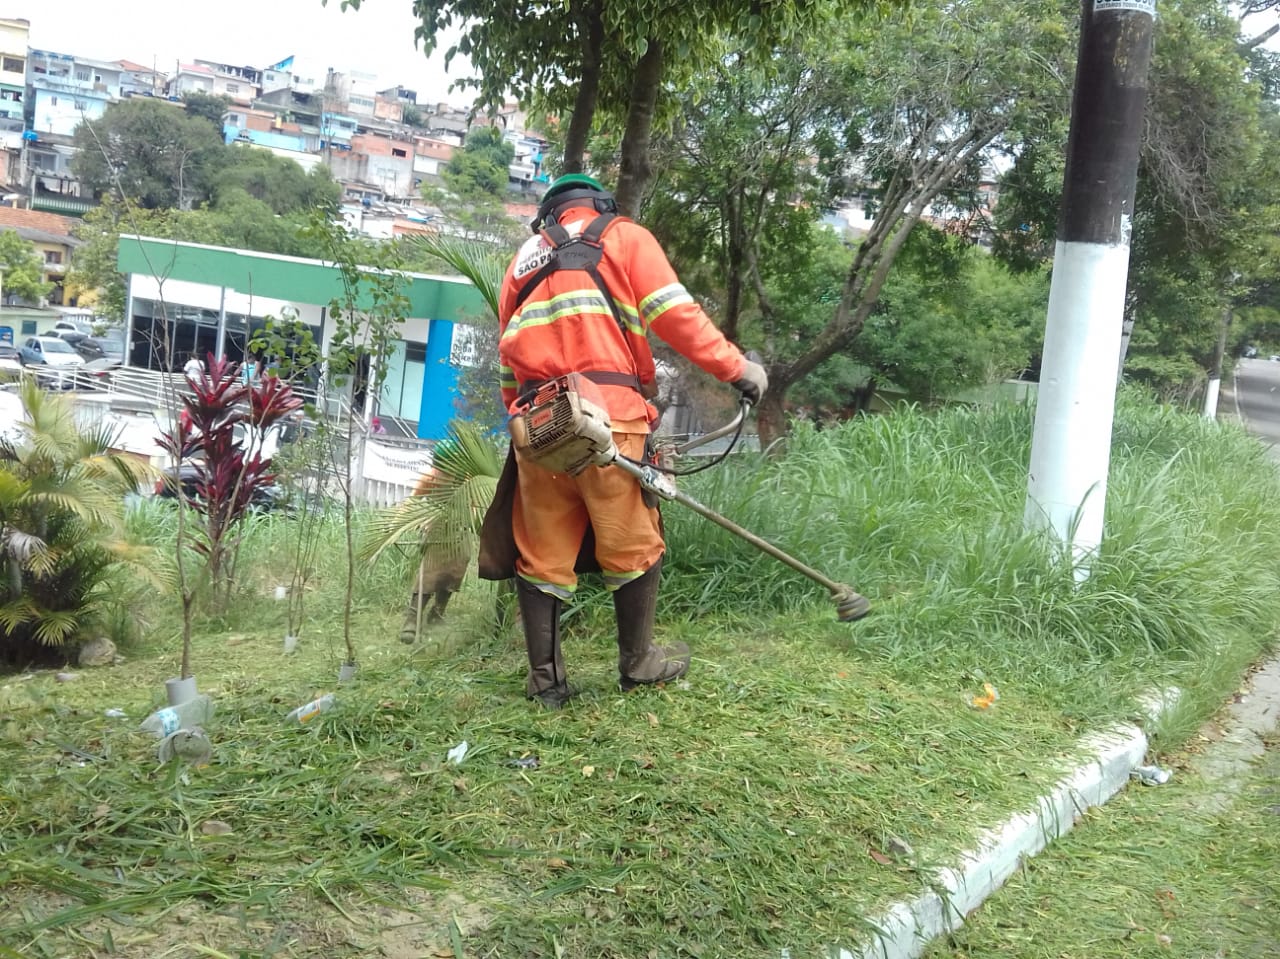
x: 378, y: 38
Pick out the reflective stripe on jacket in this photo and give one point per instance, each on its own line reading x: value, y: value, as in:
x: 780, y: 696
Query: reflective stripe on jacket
x: 566, y: 325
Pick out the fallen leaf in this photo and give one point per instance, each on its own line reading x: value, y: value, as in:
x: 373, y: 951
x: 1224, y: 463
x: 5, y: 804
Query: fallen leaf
x: 588, y: 771
x: 460, y: 785
x: 101, y: 811
x: 1163, y: 940
x: 215, y: 827
x: 653, y: 719
x: 880, y: 857
x: 557, y: 863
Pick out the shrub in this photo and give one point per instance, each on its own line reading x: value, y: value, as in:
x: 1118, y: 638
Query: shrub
x: 61, y: 523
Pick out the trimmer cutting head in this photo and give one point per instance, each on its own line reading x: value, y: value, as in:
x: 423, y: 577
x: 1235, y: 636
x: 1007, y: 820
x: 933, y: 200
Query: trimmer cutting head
x: 850, y: 606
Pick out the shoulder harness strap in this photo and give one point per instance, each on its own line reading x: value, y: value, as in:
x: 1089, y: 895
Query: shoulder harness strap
x: 583, y: 252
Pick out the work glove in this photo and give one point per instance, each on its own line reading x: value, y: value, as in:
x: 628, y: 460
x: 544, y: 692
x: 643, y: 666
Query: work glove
x: 753, y: 382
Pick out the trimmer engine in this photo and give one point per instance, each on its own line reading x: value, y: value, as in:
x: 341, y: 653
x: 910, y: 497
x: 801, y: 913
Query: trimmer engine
x: 562, y: 430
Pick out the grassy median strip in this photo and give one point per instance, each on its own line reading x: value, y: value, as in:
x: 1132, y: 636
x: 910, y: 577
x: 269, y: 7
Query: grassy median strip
x: 1159, y: 871
x: 808, y: 773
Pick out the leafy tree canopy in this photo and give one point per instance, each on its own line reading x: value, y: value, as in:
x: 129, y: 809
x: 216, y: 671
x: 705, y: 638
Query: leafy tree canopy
x: 1207, y: 213
x: 207, y: 105
x: 152, y: 151
x: 278, y: 182
x: 615, y: 56
x: 21, y: 269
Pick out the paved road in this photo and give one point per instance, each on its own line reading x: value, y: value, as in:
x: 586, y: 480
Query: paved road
x: 1258, y: 395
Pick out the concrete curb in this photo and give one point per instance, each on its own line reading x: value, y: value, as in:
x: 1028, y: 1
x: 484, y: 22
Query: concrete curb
x: 906, y: 929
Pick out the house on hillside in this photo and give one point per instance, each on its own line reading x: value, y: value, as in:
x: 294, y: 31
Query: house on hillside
x: 238, y: 84
x: 63, y: 91
x: 52, y: 237
x: 13, y: 83
x: 66, y: 90
x: 137, y: 80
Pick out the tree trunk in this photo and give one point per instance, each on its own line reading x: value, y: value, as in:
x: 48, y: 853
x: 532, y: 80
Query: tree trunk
x: 734, y: 267
x: 634, y: 167
x: 771, y: 416
x: 907, y: 194
x: 584, y: 105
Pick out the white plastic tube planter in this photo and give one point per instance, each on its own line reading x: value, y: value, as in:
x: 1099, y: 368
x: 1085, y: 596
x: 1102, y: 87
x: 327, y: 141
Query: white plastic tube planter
x: 179, y: 690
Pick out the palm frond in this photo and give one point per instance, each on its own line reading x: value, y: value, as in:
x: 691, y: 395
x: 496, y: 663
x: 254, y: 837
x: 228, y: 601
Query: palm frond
x: 98, y: 439
x: 404, y: 521
x: 446, y: 517
x: 56, y: 627
x: 13, y: 490
x: 466, y: 452
x: 124, y: 472
x: 79, y: 496
x: 18, y: 612
x: 27, y: 548
x: 481, y: 263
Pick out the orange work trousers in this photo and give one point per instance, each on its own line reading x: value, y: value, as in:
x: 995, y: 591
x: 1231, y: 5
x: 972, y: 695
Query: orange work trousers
x: 550, y: 518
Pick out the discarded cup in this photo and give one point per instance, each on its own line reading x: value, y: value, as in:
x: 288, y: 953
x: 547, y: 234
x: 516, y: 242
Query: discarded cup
x: 1151, y: 775
x: 458, y: 753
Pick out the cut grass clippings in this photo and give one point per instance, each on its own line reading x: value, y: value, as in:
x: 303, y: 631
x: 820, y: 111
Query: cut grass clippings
x: 746, y: 812
x: 807, y: 774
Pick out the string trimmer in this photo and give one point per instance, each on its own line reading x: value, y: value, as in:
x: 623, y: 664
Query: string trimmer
x: 565, y: 431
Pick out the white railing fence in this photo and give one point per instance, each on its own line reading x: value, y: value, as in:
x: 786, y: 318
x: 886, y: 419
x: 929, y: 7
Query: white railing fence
x: 137, y: 405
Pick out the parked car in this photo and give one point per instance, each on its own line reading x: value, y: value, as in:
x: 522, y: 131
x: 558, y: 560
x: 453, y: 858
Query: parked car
x: 9, y: 360
x: 53, y: 359
x: 74, y: 333
x: 72, y: 326
x: 265, y: 498
x: 108, y: 346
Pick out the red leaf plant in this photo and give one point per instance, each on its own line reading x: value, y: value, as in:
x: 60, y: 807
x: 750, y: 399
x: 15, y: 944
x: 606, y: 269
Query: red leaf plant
x: 219, y: 437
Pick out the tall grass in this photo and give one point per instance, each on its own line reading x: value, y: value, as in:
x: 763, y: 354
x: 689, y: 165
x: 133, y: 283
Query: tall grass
x: 267, y: 561
x: 923, y: 512
x: 741, y: 813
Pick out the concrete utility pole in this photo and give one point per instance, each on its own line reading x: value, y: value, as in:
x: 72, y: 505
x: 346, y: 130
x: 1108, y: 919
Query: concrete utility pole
x: 1071, y: 445
x: 1214, y: 385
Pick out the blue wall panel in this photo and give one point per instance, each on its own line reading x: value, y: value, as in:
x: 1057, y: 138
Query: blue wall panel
x: 439, y: 382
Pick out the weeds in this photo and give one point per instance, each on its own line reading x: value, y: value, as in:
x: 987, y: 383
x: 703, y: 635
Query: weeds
x: 755, y: 808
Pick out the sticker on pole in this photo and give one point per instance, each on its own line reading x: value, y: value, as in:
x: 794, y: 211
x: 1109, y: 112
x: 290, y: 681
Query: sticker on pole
x: 1140, y: 6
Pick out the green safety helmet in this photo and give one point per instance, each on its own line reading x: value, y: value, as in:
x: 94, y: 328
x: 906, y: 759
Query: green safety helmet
x: 569, y: 188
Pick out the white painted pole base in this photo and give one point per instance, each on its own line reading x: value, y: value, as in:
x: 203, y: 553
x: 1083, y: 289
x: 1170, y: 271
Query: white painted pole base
x: 1211, y: 398
x: 1075, y: 409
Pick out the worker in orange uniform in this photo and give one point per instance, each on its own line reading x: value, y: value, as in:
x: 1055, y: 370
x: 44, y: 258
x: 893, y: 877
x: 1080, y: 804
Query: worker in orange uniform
x: 581, y: 296
x: 440, y: 571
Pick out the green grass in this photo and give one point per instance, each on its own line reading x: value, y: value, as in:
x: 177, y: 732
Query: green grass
x: 743, y: 812
x: 1158, y: 872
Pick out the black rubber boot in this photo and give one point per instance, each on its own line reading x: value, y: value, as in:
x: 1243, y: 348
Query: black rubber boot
x: 540, y: 614
x: 640, y: 662
x: 412, y: 615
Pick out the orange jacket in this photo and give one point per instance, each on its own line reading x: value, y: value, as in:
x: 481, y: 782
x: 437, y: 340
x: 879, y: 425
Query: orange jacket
x: 566, y: 325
